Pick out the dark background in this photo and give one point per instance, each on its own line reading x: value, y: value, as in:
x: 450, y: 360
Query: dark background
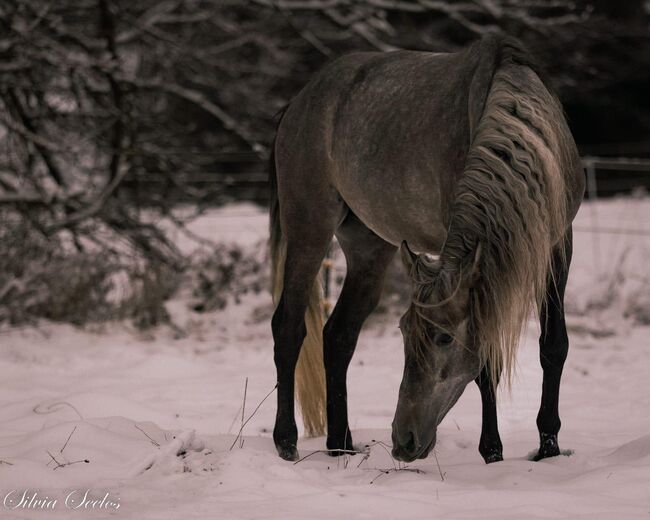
x: 113, y: 112
x: 166, y: 91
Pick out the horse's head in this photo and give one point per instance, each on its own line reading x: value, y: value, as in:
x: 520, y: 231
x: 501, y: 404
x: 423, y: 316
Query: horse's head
x: 440, y: 355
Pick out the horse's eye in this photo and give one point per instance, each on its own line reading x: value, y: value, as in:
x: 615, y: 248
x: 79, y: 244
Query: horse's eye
x: 443, y: 340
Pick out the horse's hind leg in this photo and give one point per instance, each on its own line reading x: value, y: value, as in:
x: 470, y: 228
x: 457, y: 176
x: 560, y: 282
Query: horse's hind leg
x: 554, y: 346
x: 490, y: 446
x: 367, y: 258
x: 308, y: 224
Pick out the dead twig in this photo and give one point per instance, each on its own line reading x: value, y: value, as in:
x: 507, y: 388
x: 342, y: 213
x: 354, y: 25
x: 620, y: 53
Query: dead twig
x: 385, y: 447
x: 243, y: 410
x: 64, y: 464
x: 93, y: 207
x: 68, y: 439
x: 395, y: 470
x: 365, y: 457
x: 349, y: 452
x: 153, y: 441
x: 251, y: 416
x: 201, y: 101
x: 442, y: 475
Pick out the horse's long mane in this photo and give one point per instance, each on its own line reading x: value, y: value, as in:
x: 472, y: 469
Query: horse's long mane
x: 511, y: 199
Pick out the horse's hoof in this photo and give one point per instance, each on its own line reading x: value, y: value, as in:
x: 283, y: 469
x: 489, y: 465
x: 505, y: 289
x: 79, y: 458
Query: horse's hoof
x: 336, y: 448
x: 497, y: 456
x: 337, y: 453
x: 491, y: 450
x: 548, y: 447
x: 289, y: 453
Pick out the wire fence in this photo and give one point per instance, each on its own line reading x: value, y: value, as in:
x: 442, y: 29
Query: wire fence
x: 598, y: 186
x: 598, y: 225
x: 619, y: 174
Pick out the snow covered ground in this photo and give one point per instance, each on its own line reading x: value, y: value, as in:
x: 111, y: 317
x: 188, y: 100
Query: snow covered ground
x: 155, y: 417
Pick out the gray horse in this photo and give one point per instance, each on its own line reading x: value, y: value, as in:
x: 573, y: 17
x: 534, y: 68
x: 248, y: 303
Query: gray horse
x: 464, y: 156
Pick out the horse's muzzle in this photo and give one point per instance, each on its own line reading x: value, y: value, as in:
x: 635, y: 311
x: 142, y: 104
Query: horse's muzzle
x: 409, y: 446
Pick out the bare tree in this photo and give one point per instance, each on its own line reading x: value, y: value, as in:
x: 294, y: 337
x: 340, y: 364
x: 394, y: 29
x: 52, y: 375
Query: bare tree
x: 113, y: 110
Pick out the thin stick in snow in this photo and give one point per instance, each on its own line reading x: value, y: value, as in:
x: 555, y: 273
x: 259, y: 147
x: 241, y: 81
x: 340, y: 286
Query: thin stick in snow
x: 385, y: 448
x: 442, y: 476
x: 243, y: 410
x: 60, y: 465
x: 54, y: 459
x: 345, y: 452
x: 395, y: 470
x: 234, y: 420
x: 68, y: 439
x: 366, y: 452
x: 251, y: 416
x: 153, y: 441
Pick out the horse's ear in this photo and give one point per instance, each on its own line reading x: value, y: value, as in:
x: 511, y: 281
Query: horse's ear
x: 408, y: 257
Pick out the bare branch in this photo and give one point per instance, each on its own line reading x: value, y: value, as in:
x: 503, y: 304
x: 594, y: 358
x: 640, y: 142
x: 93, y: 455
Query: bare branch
x: 205, y: 104
x: 91, y: 209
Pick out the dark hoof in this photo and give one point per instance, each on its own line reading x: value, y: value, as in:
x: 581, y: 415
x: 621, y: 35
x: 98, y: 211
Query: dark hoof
x: 491, y: 450
x: 338, y: 453
x: 497, y: 456
x: 336, y: 448
x: 289, y: 453
x: 548, y: 447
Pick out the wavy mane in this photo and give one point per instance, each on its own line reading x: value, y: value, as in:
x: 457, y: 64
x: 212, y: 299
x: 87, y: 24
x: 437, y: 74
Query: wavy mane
x: 511, y: 199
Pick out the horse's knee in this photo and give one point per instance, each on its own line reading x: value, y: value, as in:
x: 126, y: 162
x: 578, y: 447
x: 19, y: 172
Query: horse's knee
x: 339, y: 337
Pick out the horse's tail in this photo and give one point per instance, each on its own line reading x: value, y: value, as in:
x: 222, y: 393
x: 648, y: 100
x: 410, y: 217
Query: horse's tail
x: 310, y: 370
x: 512, y: 196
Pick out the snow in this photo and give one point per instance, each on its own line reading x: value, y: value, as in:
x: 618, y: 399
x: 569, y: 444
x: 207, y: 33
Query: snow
x: 156, y: 416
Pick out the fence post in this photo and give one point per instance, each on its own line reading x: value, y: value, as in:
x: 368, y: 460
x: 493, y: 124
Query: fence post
x: 327, y: 274
x: 592, y: 193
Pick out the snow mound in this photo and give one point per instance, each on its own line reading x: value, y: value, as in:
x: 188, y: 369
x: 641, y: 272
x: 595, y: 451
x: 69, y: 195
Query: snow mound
x: 633, y: 452
x: 74, y: 454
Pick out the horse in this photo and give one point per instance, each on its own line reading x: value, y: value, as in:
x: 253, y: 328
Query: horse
x: 465, y: 158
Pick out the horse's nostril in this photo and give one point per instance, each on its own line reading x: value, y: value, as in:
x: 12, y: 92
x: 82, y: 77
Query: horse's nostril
x: 409, y: 445
x: 406, y: 444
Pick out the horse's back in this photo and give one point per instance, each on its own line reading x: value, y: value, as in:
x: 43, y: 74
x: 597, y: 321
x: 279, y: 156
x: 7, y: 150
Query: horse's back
x: 389, y: 131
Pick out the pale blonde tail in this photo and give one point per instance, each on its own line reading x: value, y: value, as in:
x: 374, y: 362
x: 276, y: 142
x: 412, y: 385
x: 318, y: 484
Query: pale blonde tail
x: 310, y: 370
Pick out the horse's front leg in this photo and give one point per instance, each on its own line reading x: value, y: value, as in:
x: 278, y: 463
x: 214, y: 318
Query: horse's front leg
x: 554, y: 346
x: 490, y: 446
x: 367, y: 258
